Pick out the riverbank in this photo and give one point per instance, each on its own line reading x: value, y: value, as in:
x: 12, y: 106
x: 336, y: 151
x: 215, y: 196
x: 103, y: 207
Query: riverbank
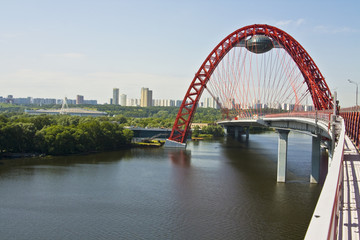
x: 148, y: 144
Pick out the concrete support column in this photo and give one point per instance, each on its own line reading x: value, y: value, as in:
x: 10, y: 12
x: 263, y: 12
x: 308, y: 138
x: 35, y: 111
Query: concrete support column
x: 236, y: 132
x: 315, y: 160
x: 226, y: 131
x: 282, y: 155
x: 330, y: 153
x: 247, y: 133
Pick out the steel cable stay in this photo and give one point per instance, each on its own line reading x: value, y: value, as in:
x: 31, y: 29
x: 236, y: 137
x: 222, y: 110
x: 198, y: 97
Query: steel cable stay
x: 233, y: 77
x: 255, y: 70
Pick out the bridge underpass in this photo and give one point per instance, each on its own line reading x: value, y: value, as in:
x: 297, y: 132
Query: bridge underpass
x: 318, y: 129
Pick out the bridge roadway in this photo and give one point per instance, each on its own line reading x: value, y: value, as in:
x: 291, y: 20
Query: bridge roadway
x: 349, y: 224
x: 308, y: 125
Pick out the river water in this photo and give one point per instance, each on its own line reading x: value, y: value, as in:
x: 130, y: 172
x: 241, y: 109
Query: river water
x: 221, y: 189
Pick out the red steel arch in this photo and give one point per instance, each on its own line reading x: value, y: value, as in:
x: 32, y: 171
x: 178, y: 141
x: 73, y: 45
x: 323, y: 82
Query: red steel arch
x: 315, y: 81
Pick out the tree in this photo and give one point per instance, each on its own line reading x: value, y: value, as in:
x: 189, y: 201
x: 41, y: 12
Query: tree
x: 196, y: 131
x: 215, y: 130
x: 17, y: 137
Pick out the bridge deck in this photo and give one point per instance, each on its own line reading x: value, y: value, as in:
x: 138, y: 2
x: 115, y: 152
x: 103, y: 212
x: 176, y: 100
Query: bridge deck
x: 349, y: 224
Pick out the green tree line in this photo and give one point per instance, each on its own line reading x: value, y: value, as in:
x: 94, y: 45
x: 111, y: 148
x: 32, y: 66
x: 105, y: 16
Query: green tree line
x: 63, y: 134
x: 57, y: 135
x: 207, y: 115
x: 207, y: 131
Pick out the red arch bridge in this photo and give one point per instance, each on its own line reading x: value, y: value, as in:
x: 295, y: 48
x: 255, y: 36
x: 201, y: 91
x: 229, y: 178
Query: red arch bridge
x: 259, y: 75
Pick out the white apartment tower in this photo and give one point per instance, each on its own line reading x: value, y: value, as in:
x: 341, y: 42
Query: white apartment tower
x: 146, y: 97
x: 123, y: 99
x: 115, y: 96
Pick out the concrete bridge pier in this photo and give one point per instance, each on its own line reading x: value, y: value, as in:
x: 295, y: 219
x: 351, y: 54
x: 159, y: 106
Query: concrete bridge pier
x: 237, y: 132
x: 247, y: 133
x: 282, y: 154
x: 315, y: 159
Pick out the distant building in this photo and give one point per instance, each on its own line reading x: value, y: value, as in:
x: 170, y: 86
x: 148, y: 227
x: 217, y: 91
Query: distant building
x: 285, y: 106
x: 22, y: 101
x: 309, y: 108
x: 274, y: 105
x: 291, y: 107
x: 68, y: 111
x: 90, y: 102
x: 123, y: 100
x: 79, y: 99
x: 71, y: 101
x: 163, y: 103
x: 115, y: 96
x: 10, y: 99
x: 44, y: 101
x: 178, y: 103
x: 210, y: 103
x: 146, y: 97
x: 133, y: 102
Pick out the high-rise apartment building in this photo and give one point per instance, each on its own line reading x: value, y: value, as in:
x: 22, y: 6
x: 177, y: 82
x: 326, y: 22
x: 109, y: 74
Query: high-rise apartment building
x: 123, y: 99
x: 211, y: 103
x: 146, y: 97
x: 116, y: 96
x: 163, y: 103
x: 133, y: 102
x: 79, y: 99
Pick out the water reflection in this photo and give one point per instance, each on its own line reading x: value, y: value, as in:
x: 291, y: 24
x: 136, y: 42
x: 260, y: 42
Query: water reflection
x: 211, y: 190
x: 180, y: 157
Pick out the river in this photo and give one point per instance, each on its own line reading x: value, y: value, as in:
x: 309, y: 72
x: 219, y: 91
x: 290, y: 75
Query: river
x: 222, y: 189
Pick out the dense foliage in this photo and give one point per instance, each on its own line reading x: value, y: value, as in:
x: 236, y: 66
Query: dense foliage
x: 63, y: 134
x: 201, y: 115
x: 135, y: 116
x: 165, y: 114
x: 60, y: 134
x: 210, y: 130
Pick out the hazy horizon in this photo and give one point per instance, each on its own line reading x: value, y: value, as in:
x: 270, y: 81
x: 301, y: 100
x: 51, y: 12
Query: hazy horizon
x: 68, y: 48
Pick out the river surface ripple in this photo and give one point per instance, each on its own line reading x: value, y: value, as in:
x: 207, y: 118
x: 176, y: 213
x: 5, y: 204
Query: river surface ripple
x: 221, y: 189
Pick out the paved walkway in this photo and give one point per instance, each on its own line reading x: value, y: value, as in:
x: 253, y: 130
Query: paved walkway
x: 349, y: 224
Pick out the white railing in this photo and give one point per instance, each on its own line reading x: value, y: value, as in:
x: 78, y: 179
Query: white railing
x: 323, y: 115
x: 324, y: 221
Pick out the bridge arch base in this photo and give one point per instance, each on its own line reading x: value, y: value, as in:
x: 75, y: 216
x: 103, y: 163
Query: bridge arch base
x: 174, y: 144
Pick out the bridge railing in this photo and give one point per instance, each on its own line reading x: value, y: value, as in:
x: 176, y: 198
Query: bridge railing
x: 351, y: 109
x: 323, y: 115
x: 324, y: 221
x: 352, y: 124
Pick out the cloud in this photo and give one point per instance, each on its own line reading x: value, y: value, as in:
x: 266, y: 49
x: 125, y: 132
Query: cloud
x: 334, y: 30
x: 73, y: 55
x: 299, y: 21
x: 284, y: 23
x: 10, y: 35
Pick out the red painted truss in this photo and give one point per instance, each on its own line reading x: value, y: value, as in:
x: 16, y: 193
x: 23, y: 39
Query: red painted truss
x: 317, y: 87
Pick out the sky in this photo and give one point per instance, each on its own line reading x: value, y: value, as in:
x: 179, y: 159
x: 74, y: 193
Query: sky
x: 53, y: 49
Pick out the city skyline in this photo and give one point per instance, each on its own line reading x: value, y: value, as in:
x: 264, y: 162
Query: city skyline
x: 60, y: 48
x: 206, y: 102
